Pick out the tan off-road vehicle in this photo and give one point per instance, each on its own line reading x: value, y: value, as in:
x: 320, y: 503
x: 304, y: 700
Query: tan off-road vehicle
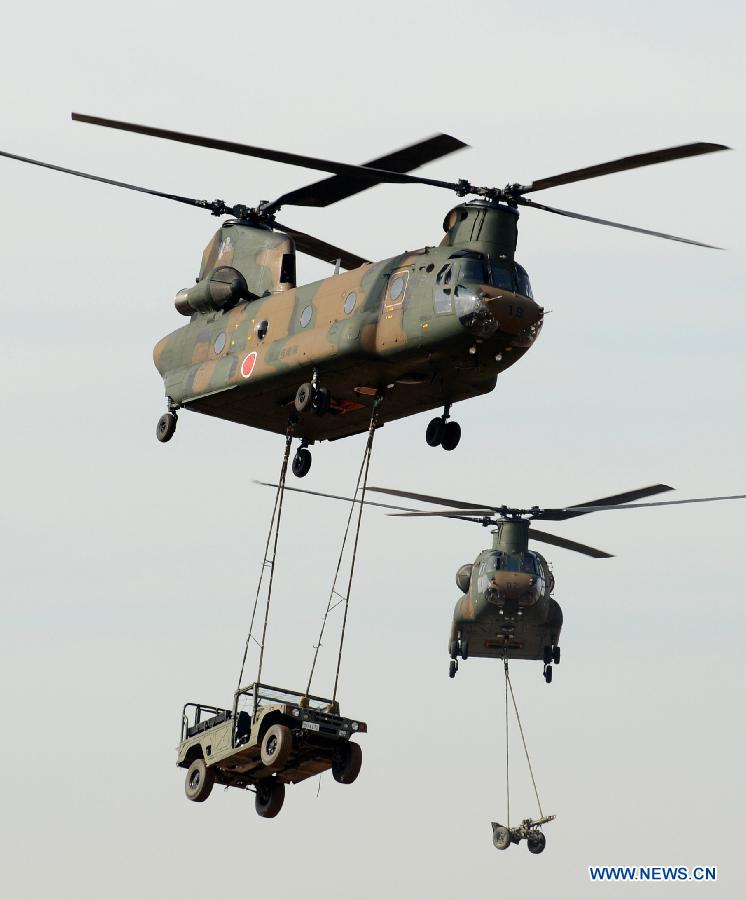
x: 271, y: 737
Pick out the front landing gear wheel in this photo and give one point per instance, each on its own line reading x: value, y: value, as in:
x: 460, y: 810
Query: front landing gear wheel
x: 302, y: 462
x: 199, y: 781
x: 270, y: 795
x: 536, y: 842
x: 346, y: 767
x: 451, y: 436
x: 435, y: 431
x: 500, y: 837
x: 166, y: 427
x: 452, y: 668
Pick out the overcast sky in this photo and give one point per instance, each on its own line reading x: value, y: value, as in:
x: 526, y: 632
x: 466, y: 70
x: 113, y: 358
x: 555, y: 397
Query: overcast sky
x: 129, y: 567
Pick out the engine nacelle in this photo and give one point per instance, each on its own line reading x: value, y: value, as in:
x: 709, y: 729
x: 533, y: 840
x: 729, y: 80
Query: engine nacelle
x: 463, y: 578
x: 221, y: 289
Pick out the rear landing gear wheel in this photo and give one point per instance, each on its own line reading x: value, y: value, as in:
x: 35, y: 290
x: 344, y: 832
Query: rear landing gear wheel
x: 166, y: 427
x: 199, y: 781
x: 556, y: 655
x: 500, y: 837
x: 452, y: 668
x: 453, y: 649
x: 435, y: 431
x: 451, y: 436
x: 270, y: 795
x: 547, y: 654
x: 536, y: 842
x: 464, y: 649
x: 548, y: 674
x: 302, y: 462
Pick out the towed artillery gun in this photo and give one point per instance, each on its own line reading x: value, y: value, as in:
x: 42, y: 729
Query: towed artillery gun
x: 529, y: 830
x: 271, y: 737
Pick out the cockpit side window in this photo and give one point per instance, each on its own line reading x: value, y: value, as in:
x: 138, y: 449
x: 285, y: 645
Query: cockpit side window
x: 442, y: 300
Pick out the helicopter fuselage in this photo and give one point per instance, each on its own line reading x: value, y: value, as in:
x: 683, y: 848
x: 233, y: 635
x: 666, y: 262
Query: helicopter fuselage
x: 431, y: 327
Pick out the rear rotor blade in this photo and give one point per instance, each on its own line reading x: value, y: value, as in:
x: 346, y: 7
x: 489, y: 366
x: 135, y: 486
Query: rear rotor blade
x: 322, y: 250
x: 203, y: 204
x: 425, y: 498
x: 587, y: 509
x: 623, y: 165
x: 536, y: 535
x: 333, y: 496
x: 339, y: 187
x: 370, y: 174
x: 572, y: 215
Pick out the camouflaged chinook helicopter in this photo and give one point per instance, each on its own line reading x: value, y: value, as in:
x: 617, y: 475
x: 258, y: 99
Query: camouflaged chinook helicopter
x: 507, y: 610
x: 429, y: 327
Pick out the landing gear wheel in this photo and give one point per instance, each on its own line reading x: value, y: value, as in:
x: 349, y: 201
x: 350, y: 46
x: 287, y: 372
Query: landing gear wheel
x: 536, y: 842
x: 452, y: 668
x: 500, y: 837
x: 451, y: 436
x: 304, y: 397
x: 302, y: 462
x: 464, y: 649
x: 453, y: 649
x: 548, y: 674
x: 270, y: 795
x: 166, y: 427
x: 346, y: 767
x: 199, y: 781
x: 322, y: 400
x: 547, y: 654
x: 276, y: 746
x: 556, y: 655
x: 435, y: 431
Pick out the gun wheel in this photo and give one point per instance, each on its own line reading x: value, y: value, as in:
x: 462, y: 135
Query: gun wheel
x: 536, y: 842
x: 500, y: 837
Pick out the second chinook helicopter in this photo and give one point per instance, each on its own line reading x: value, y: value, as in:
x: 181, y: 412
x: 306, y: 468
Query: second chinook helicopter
x: 429, y: 327
x: 507, y: 610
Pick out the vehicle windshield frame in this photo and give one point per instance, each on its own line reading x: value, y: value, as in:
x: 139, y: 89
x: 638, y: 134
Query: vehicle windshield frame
x: 260, y: 693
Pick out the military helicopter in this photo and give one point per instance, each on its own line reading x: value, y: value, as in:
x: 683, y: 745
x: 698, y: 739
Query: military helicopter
x: 507, y: 610
x: 430, y: 327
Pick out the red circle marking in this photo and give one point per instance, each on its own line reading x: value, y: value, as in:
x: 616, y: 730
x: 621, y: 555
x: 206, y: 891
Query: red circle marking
x: 247, y: 366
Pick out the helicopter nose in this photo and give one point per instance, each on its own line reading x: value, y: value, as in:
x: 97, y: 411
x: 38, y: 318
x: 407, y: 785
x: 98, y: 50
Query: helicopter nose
x: 515, y: 314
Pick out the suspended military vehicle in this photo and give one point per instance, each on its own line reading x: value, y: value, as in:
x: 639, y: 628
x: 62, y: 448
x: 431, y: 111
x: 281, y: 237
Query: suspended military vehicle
x: 431, y: 326
x: 507, y: 610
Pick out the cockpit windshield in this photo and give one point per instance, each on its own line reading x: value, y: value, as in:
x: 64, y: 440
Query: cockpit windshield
x: 524, y: 285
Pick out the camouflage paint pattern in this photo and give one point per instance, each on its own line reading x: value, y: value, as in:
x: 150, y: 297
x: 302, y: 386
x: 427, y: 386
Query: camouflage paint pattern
x: 375, y: 327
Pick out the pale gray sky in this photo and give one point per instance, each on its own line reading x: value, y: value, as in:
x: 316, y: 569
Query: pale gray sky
x: 129, y: 567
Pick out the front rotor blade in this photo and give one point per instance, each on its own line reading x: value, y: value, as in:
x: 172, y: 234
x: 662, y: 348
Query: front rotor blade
x: 293, y: 159
x: 204, y: 204
x: 425, y: 498
x: 339, y: 187
x: 580, y: 509
x: 544, y: 537
x: 623, y: 165
x: 450, y: 513
x: 572, y: 215
x: 588, y: 509
x: 334, y: 496
x: 322, y: 250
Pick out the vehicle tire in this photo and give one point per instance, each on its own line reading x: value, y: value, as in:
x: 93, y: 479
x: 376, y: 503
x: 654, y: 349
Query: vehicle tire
x: 270, y: 795
x: 451, y: 436
x: 536, y: 842
x: 302, y: 462
x: 548, y: 674
x: 556, y: 655
x: 304, y: 397
x: 547, y: 654
x: 346, y: 767
x: 464, y: 649
x: 434, y: 432
x: 452, y: 668
x: 199, y: 781
x: 276, y: 746
x: 166, y: 427
x: 501, y: 837
x: 322, y: 400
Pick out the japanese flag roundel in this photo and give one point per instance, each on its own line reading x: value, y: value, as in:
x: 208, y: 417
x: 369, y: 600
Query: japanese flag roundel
x: 247, y: 366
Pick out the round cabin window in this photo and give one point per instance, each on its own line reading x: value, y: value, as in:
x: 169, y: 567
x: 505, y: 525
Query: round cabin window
x: 219, y: 344
x: 396, y: 287
x: 306, y: 316
x: 350, y: 301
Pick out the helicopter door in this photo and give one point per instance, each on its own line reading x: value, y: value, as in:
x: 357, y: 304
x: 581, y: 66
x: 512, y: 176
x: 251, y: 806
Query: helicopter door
x: 391, y: 332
